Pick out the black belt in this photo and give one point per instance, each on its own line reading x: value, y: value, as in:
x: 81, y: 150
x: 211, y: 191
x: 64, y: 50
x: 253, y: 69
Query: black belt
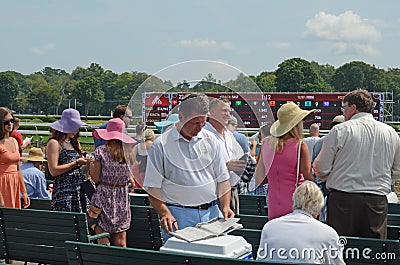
x: 204, y: 206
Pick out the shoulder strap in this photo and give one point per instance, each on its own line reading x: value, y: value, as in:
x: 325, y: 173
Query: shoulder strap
x: 298, y: 162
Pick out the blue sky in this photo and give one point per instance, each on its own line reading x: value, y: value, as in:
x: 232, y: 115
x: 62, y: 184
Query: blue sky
x: 146, y: 36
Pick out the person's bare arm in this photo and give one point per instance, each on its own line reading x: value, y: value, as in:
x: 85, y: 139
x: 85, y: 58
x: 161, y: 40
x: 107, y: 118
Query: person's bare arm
x: 52, y: 153
x: 167, y: 220
x: 305, y: 162
x: 224, y: 192
x: 95, y: 171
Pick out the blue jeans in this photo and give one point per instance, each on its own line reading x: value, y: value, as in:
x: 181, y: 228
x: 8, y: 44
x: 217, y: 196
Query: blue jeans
x: 191, y: 217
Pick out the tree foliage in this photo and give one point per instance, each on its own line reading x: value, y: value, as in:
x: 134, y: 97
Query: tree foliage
x: 98, y: 91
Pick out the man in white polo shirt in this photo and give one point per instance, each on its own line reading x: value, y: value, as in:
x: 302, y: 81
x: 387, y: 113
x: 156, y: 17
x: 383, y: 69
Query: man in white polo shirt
x: 220, y: 113
x: 185, y: 175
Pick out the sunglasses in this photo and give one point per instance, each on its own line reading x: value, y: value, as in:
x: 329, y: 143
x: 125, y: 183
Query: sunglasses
x: 7, y: 122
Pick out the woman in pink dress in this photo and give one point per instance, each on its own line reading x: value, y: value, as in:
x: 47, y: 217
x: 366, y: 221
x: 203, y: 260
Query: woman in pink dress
x: 11, y: 179
x: 278, y: 163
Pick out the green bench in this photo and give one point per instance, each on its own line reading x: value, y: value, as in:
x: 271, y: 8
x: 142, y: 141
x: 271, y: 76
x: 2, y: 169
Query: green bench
x: 359, y: 251
x: 145, y: 230
x: 393, y: 208
x: 256, y: 222
x: 393, y: 232
x: 253, y: 204
x: 139, y: 199
x: 39, y: 236
x: 393, y: 219
x: 91, y: 254
x: 40, y: 204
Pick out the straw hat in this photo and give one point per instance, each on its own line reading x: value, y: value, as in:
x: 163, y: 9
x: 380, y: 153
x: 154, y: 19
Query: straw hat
x: 70, y: 121
x: 36, y: 155
x: 115, y: 130
x: 338, y: 119
x: 289, y: 115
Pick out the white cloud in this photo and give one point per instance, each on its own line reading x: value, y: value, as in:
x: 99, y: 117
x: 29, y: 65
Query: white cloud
x: 227, y: 45
x: 347, y: 32
x: 43, y: 49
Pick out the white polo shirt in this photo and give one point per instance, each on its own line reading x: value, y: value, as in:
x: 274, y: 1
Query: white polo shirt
x: 187, y: 172
x: 230, y: 149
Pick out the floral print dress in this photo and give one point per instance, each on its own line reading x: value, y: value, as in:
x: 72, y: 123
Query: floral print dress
x: 116, y: 214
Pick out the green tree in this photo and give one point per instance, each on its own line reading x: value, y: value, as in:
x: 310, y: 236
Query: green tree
x: 297, y: 75
x: 89, y: 93
x: 59, y: 80
x: 8, y: 90
x: 265, y: 81
x: 351, y: 76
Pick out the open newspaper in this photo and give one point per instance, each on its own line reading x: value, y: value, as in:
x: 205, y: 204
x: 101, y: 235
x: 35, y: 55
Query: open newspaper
x: 212, y: 228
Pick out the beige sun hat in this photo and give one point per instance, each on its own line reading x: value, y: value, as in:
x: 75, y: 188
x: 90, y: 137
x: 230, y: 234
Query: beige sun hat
x: 289, y: 115
x: 35, y: 155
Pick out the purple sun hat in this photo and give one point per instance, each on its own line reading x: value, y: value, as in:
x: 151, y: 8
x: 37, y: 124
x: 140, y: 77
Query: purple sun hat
x: 70, y: 121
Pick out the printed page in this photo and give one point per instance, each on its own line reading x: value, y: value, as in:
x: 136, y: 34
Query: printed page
x: 26, y: 140
x: 218, y: 226
x: 191, y: 234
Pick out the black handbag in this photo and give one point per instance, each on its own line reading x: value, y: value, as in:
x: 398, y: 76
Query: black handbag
x: 88, y: 187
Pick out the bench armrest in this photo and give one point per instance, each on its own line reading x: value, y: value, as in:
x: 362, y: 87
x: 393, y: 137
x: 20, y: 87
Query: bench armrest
x: 95, y: 237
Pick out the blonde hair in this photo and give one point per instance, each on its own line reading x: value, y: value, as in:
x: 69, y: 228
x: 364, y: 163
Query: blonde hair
x: 149, y: 135
x: 308, y: 197
x: 277, y: 143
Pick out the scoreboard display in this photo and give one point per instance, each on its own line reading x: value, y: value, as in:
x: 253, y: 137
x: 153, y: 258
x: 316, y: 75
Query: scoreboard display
x: 255, y: 109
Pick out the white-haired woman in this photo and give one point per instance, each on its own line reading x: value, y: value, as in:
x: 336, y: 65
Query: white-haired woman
x: 315, y: 242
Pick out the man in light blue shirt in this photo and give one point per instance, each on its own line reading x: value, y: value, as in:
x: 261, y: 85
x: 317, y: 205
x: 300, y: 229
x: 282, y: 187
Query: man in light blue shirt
x: 34, y: 178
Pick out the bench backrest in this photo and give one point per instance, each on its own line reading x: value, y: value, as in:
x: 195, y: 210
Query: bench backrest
x: 359, y: 250
x: 139, y: 199
x: 252, y: 221
x: 39, y: 235
x: 145, y: 230
x: 253, y: 204
x: 91, y: 254
x: 393, y: 232
x: 394, y: 208
x: 393, y: 219
x: 40, y: 204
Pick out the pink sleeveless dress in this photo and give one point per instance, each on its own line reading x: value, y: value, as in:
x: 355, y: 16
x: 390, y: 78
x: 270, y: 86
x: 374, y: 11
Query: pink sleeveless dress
x: 9, y: 178
x: 281, y: 173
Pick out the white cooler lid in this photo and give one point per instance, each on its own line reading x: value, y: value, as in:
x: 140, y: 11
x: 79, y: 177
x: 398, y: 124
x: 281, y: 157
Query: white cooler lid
x: 227, y: 246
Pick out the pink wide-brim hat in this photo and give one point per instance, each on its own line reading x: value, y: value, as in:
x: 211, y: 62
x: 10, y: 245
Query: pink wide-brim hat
x: 115, y: 130
x: 70, y: 121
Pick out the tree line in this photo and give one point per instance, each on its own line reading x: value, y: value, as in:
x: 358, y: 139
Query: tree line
x: 94, y: 90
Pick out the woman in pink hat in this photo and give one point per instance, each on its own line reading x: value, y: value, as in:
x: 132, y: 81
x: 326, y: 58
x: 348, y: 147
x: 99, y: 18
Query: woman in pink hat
x: 65, y: 161
x: 112, y: 174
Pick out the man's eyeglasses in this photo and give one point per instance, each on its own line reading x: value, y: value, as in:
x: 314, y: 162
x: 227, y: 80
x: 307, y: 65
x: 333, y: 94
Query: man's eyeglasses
x: 7, y: 122
x: 129, y: 117
x: 344, y: 106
